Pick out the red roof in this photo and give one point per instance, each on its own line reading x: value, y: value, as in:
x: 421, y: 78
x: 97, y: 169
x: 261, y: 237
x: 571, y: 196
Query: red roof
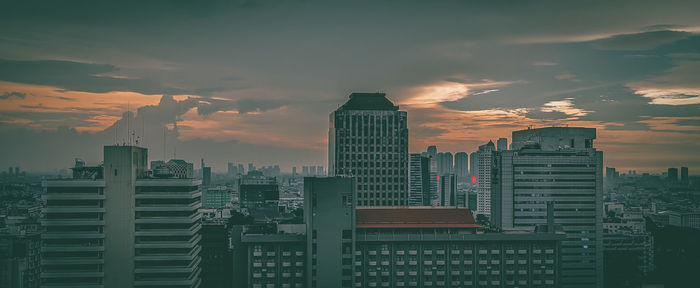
x: 414, y: 217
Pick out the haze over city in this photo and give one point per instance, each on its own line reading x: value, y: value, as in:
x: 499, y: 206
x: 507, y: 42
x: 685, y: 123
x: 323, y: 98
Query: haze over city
x: 255, y: 81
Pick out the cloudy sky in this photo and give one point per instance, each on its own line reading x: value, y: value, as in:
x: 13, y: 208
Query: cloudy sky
x: 255, y: 80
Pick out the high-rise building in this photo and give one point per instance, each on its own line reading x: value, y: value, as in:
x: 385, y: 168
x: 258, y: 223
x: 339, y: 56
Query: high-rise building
x: 447, y: 190
x: 419, y: 180
x: 672, y: 175
x: 474, y: 164
x: 329, y: 210
x: 368, y: 139
x: 461, y: 166
x: 206, y: 176
x: 294, y: 171
x: 555, y: 169
x: 684, y: 176
x: 483, y: 179
x: 126, y: 228
x: 502, y: 144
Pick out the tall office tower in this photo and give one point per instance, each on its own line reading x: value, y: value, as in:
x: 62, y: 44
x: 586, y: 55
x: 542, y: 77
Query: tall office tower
x: 305, y: 171
x: 447, y: 190
x: 672, y: 175
x: 294, y: 171
x: 368, y: 139
x: 241, y: 170
x: 555, y: 167
x: 483, y: 179
x: 461, y: 166
x: 231, y: 170
x: 444, y: 163
x: 329, y: 210
x: 432, y: 150
x: 117, y: 226
x: 319, y: 171
x: 502, y: 144
x: 684, y: 176
x: 251, y: 167
x: 610, y: 173
x: 206, y: 176
x: 474, y: 164
x: 419, y: 180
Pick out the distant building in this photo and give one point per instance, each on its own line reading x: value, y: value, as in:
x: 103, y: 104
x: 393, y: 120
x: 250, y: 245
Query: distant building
x: 258, y: 191
x: 126, y: 229
x: 445, y: 163
x: 419, y: 180
x: 684, y: 176
x: 206, y: 176
x: 672, y: 175
x: 447, y: 190
x: 368, y: 139
x: 502, y: 144
x: 483, y: 179
x: 216, y: 197
x: 461, y: 169
x: 474, y: 164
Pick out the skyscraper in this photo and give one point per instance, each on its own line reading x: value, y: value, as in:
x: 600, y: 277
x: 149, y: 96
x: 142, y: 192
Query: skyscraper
x: 684, y: 176
x: 419, y: 180
x: 555, y: 167
x: 502, y: 144
x: 672, y: 175
x: 474, y: 164
x: 368, y: 139
x: 447, y: 190
x: 461, y: 166
x: 119, y: 226
x: 483, y: 179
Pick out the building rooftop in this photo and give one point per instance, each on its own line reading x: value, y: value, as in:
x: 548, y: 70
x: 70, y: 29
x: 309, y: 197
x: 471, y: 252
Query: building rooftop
x: 369, y: 101
x: 414, y: 217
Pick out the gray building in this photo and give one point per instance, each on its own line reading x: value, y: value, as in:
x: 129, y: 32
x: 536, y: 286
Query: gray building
x: 19, y: 260
x: 447, y: 190
x: 419, y: 180
x: 461, y: 166
x: 329, y: 211
x: 684, y: 176
x: 474, y: 164
x: 672, y: 175
x: 502, y: 144
x: 125, y: 229
x: 483, y: 179
x: 555, y: 166
x: 368, y: 139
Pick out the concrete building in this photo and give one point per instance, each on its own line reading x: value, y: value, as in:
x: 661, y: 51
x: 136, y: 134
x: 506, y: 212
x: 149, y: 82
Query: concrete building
x: 555, y: 169
x: 419, y: 180
x: 684, y: 176
x: 502, y: 144
x: 445, y: 163
x: 483, y: 179
x: 330, y: 218
x: 672, y: 175
x: 257, y: 191
x: 368, y: 139
x: 19, y: 260
x: 461, y: 166
x: 125, y: 229
x: 447, y: 190
x: 399, y: 247
x: 216, y: 197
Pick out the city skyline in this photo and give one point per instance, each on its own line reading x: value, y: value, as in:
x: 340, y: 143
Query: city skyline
x: 255, y: 82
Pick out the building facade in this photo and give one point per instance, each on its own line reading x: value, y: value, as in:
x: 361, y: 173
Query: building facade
x: 483, y: 179
x: 462, y: 166
x: 555, y: 166
x: 368, y: 139
x: 126, y: 229
x: 419, y: 180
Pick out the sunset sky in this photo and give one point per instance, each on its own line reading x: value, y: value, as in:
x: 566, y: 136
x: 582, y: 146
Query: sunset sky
x: 255, y: 81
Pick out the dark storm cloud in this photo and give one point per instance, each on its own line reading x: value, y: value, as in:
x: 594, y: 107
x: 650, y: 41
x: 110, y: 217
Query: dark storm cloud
x: 640, y: 41
x: 85, y: 77
x: 8, y: 95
